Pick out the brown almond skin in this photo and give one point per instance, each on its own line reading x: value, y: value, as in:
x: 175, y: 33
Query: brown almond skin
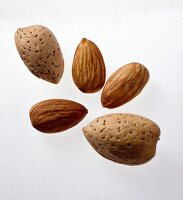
x: 55, y: 115
x: 123, y: 138
x: 40, y: 52
x: 88, y: 69
x: 124, y: 84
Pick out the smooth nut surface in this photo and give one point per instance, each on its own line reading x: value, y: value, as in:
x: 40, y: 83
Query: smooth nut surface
x: 123, y: 138
x: 55, y: 115
x: 88, y: 69
x: 124, y: 84
x: 40, y: 52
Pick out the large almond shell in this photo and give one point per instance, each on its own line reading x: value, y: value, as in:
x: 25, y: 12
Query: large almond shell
x: 124, y: 84
x: 40, y: 52
x: 123, y: 138
x: 88, y: 69
x: 55, y: 115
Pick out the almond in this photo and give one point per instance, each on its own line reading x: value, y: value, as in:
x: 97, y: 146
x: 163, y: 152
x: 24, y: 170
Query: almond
x: 40, y: 52
x: 124, y: 84
x: 123, y: 138
x: 55, y: 115
x: 88, y: 69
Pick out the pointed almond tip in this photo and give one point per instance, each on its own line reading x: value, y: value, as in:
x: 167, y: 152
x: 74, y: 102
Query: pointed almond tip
x: 85, y: 112
x: 83, y: 40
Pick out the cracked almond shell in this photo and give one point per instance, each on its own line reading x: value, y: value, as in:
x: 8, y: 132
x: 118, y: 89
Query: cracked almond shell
x: 40, y: 52
x: 123, y: 138
x: 88, y: 69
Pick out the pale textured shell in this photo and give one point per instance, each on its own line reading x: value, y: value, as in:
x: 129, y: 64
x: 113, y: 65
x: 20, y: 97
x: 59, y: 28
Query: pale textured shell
x: 123, y: 138
x: 55, y: 115
x: 124, y: 84
x: 40, y: 52
x: 88, y: 69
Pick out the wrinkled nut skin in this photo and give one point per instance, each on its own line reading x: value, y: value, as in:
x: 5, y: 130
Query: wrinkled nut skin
x: 88, y: 69
x: 124, y: 84
x: 55, y: 115
x: 40, y: 52
x: 123, y: 138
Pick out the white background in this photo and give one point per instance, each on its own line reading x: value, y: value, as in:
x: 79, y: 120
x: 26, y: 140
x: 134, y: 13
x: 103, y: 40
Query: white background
x: 63, y: 166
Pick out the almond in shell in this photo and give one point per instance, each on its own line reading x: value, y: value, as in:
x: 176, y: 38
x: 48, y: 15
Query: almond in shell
x: 40, y: 52
x: 123, y: 138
